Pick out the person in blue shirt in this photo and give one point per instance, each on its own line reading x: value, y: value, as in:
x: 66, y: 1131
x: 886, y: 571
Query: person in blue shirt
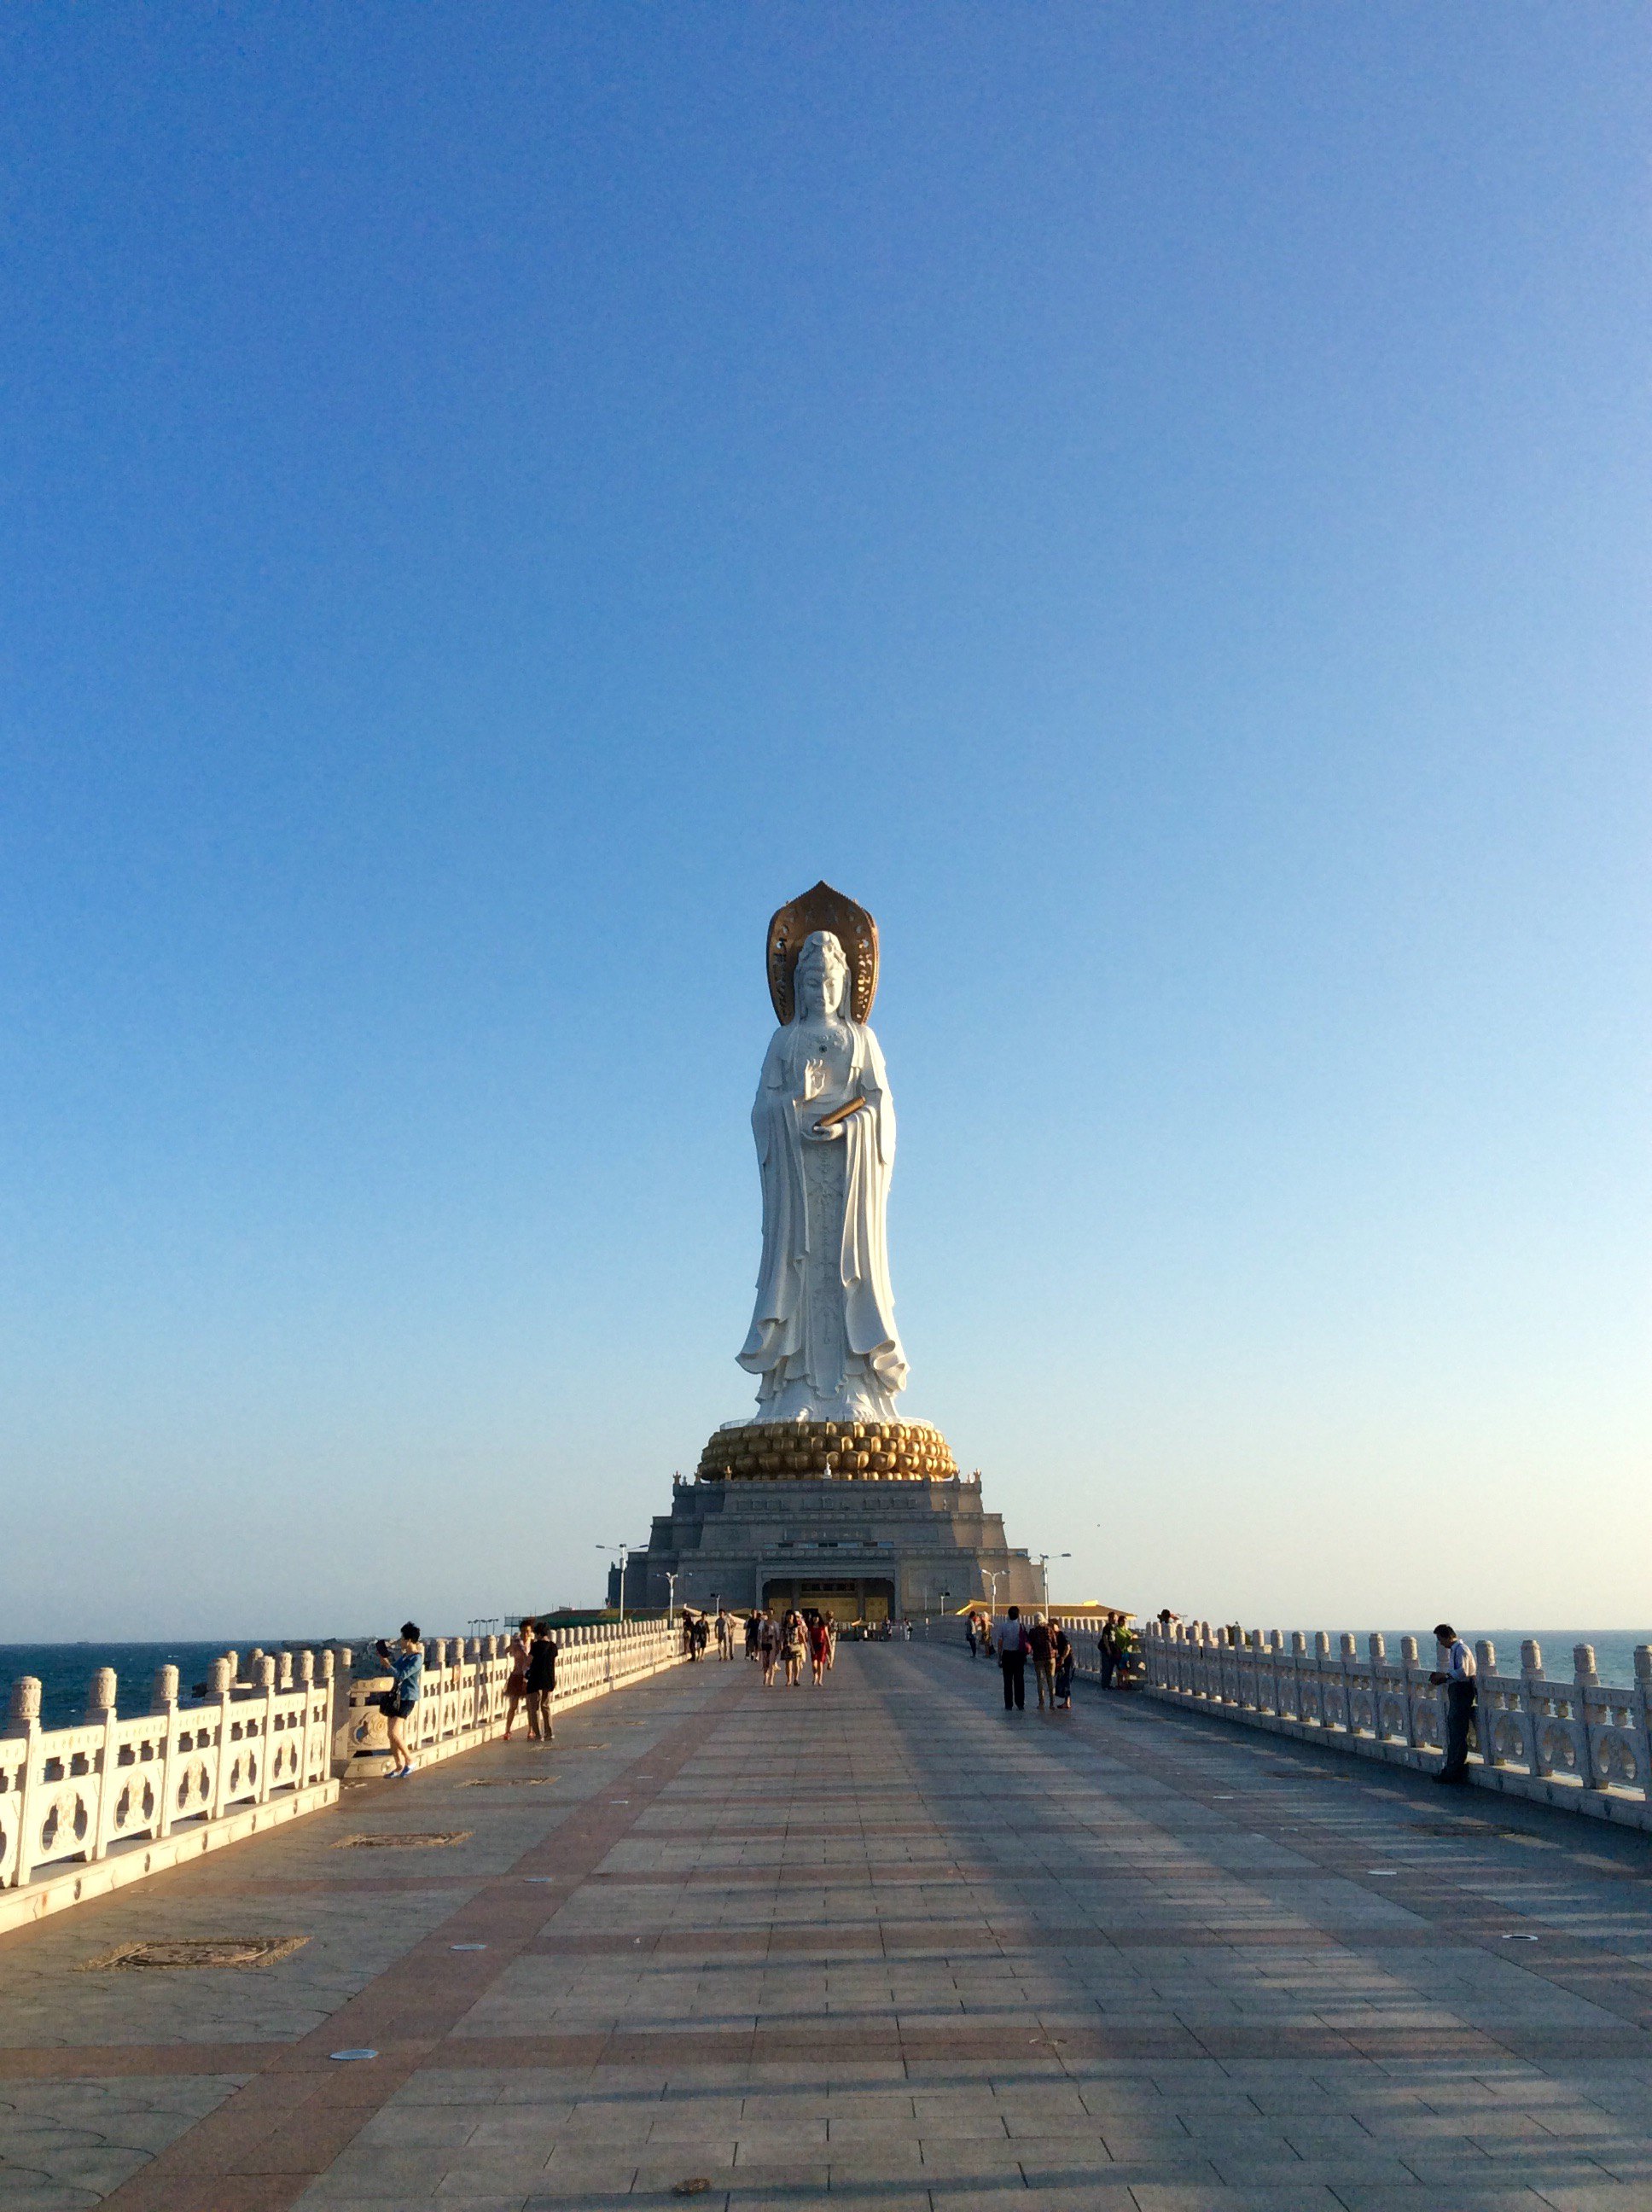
x: 405, y: 1664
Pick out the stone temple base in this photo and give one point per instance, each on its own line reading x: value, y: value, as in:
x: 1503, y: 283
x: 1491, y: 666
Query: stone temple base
x: 837, y: 1451
x: 872, y: 1549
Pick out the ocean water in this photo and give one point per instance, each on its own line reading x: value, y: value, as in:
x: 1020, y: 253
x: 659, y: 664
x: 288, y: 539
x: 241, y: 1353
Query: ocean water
x: 65, y: 1672
x: 1614, y: 1648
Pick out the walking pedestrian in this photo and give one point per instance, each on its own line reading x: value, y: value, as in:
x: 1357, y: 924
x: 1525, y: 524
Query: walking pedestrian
x: 541, y: 1683
x: 752, y: 1624
x: 1455, y: 1674
x: 794, y: 1637
x: 1011, y: 1640
x: 516, y: 1682
x: 768, y: 1647
x: 820, y: 1647
x: 970, y: 1634
x: 405, y: 1666
x: 1038, y: 1638
x: 1062, y: 1657
x: 1107, y: 1650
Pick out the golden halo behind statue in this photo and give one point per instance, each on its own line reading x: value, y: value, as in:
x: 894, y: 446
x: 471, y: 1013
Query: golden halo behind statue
x: 855, y: 930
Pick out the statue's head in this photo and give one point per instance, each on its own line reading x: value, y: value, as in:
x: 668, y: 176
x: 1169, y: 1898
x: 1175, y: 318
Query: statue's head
x: 823, y: 975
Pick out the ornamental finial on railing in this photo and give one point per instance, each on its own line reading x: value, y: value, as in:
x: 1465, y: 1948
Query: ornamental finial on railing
x: 26, y: 1699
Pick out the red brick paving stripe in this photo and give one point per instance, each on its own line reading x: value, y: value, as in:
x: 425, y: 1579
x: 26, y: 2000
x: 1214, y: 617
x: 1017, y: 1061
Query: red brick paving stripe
x: 269, y: 2140
x: 112, y: 2062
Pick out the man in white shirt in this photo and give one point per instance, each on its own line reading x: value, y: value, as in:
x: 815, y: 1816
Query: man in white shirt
x: 1455, y: 1674
x: 1010, y: 1638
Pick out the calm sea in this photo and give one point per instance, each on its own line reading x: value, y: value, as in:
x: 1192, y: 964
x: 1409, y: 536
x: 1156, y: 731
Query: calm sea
x: 65, y: 1671
x: 1614, y: 1648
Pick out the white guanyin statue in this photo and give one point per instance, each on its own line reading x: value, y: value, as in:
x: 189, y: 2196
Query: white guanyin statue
x: 823, y: 1344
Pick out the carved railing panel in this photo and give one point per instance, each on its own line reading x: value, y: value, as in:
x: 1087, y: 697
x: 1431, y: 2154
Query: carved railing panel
x: 1582, y: 1733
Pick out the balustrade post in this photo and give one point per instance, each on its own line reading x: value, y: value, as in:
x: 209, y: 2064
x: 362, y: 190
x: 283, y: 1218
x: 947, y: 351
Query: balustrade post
x: 1409, y: 1660
x: 100, y: 1707
x: 1585, y: 1679
x: 1376, y: 1653
x: 327, y: 1719
x: 1348, y: 1667
x: 1643, y: 1719
x: 264, y: 1677
x: 25, y: 1722
x: 221, y: 1675
x: 304, y: 1673
x: 1321, y: 1661
x: 344, y: 1679
x: 1532, y: 1697
x: 1485, y: 1701
x: 163, y: 1699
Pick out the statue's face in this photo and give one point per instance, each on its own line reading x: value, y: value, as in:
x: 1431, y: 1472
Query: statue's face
x: 822, y: 974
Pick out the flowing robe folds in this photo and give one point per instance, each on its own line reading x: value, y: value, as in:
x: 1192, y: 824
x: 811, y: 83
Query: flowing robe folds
x: 823, y: 1342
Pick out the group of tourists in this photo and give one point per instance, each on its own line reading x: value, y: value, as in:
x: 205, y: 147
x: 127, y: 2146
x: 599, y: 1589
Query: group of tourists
x: 1014, y: 1642
x: 784, y: 1641
x: 532, y: 1653
x: 698, y: 1629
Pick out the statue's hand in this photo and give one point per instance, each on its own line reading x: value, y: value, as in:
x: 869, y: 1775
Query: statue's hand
x: 819, y: 1136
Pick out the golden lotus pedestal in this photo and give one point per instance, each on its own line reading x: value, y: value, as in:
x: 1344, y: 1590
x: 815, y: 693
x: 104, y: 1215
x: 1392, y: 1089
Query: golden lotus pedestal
x: 836, y: 1451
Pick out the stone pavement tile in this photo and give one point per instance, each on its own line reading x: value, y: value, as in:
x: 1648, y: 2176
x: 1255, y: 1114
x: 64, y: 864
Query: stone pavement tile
x: 318, y: 2199
x: 1633, y: 2164
x: 1597, y: 2196
x: 577, y: 2176
x: 437, y: 2126
x: 840, y: 2199
x: 429, y: 2086
x: 496, y: 2127
x: 1171, y: 2197
x: 1465, y: 2196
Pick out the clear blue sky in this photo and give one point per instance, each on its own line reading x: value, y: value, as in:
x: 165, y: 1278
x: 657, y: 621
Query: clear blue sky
x: 1151, y: 498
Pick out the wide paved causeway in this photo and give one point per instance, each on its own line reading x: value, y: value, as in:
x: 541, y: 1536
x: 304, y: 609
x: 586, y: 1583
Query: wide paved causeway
x: 878, y: 1945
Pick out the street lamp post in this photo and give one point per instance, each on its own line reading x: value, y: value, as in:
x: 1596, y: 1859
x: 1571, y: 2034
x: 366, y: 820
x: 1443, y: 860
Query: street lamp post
x: 671, y: 1598
x: 624, y: 1551
x: 994, y: 1576
x: 1044, y: 1558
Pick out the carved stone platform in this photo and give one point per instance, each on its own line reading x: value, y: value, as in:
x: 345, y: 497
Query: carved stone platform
x: 871, y: 1549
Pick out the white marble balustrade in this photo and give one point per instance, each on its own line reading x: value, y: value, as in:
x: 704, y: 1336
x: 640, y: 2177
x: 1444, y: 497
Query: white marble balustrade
x: 1576, y: 1741
x: 84, y: 1808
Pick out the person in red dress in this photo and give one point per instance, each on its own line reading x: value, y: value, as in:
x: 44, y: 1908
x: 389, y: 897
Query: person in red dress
x: 820, y: 1646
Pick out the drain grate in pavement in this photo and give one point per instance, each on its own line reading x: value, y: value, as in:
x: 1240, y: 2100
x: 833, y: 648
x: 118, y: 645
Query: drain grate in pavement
x: 196, y: 1951
x: 511, y: 1781
x: 434, y: 1842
